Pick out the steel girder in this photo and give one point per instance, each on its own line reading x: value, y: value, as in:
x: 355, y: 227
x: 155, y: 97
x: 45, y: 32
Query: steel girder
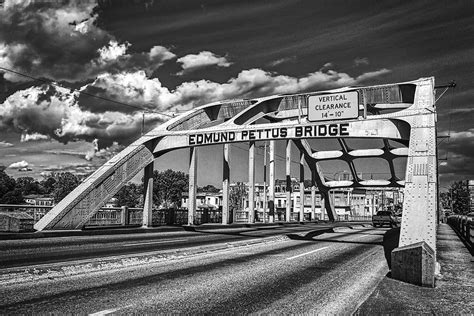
x: 403, y: 112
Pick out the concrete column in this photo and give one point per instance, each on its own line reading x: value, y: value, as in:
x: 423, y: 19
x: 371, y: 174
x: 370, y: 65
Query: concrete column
x: 301, y: 186
x: 192, y: 185
x: 251, y: 181
x: 225, y: 184
x: 313, y: 202
x: 271, y: 185
x: 288, y: 180
x: 124, y: 216
x: 148, y: 196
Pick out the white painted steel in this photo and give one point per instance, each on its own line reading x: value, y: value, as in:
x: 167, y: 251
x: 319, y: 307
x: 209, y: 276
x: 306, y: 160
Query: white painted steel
x: 414, y: 124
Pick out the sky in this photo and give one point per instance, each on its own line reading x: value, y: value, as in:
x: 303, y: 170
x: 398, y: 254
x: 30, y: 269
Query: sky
x: 169, y: 56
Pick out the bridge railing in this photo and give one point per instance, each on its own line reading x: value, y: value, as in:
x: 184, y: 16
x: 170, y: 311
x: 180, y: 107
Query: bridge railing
x: 131, y: 216
x: 464, y: 226
x: 123, y: 216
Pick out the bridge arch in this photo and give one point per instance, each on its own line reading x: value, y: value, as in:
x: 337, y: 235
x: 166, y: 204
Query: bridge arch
x: 402, y: 112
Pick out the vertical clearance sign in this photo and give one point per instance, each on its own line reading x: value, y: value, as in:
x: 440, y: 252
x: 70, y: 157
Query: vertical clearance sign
x: 334, y: 106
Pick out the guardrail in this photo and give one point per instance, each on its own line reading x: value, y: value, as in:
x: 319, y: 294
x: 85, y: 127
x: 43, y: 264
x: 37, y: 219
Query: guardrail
x: 464, y: 227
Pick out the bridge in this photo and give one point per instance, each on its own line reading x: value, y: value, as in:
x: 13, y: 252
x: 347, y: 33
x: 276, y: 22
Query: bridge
x: 402, y: 113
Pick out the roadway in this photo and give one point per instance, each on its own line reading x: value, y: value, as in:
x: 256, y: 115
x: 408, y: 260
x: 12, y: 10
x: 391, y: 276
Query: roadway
x: 296, y: 270
x: 24, y: 252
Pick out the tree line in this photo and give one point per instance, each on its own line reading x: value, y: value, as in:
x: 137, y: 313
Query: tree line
x: 457, y: 199
x: 57, y: 185
x: 168, y: 189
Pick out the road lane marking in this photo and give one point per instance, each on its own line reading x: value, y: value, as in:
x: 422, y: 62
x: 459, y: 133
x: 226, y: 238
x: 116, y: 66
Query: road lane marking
x: 153, y: 242
x: 306, y: 253
x: 108, y: 311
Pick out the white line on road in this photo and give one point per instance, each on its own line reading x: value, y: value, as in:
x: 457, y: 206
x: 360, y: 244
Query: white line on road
x: 153, y: 242
x: 306, y: 253
x: 108, y: 311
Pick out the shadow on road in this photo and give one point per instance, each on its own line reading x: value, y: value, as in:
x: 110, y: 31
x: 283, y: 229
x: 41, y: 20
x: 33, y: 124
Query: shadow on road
x: 390, y: 242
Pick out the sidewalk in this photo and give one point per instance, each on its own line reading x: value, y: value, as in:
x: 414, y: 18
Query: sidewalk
x: 453, y: 294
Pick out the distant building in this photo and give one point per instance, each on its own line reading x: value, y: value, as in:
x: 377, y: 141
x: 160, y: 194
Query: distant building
x: 204, y: 200
x: 39, y: 200
x: 347, y: 201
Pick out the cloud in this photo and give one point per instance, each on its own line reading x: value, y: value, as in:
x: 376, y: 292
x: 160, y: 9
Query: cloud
x: 134, y: 88
x: 19, y: 164
x: 361, y: 61
x: 33, y: 137
x: 61, y: 41
x: 459, y: 151
x: 42, y: 38
x: 54, y: 112
x: 5, y: 144
x: 203, y: 59
x: 372, y: 74
x: 281, y: 61
x: 61, y: 114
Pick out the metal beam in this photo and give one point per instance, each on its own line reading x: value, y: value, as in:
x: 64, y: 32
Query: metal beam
x: 251, y: 199
x: 271, y: 187
x: 289, y: 188
x: 301, y: 186
x: 225, y: 183
x: 148, y: 196
x: 193, y: 161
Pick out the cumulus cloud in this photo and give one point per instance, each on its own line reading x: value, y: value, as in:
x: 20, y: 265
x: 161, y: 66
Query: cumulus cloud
x: 5, y: 144
x: 54, y: 112
x: 203, y: 59
x: 60, y: 41
x: 33, y: 137
x: 19, y: 164
x: 42, y: 37
x: 61, y: 114
x: 139, y: 90
x: 133, y: 88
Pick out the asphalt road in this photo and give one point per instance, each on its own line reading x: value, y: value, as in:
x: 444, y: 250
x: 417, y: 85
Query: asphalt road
x: 25, y: 252
x: 306, y: 273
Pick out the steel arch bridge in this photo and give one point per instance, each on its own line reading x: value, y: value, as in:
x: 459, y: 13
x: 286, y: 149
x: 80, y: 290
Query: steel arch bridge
x: 402, y: 112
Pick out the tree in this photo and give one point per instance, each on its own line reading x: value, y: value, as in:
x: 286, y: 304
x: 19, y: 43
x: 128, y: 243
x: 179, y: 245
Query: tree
x: 65, y: 183
x: 208, y: 188
x: 129, y: 195
x: 9, y: 194
x: 48, y: 184
x: 28, y: 185
x: 236, y: 196
x: 168, y: 187
x: 460, y: 197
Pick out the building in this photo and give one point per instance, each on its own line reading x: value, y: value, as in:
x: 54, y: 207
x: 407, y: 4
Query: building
x: 349, y: 203
x: 44, y: 202
x: 204, y: 200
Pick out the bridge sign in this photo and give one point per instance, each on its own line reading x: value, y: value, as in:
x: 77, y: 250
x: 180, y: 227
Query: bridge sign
x: 334, y: 106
